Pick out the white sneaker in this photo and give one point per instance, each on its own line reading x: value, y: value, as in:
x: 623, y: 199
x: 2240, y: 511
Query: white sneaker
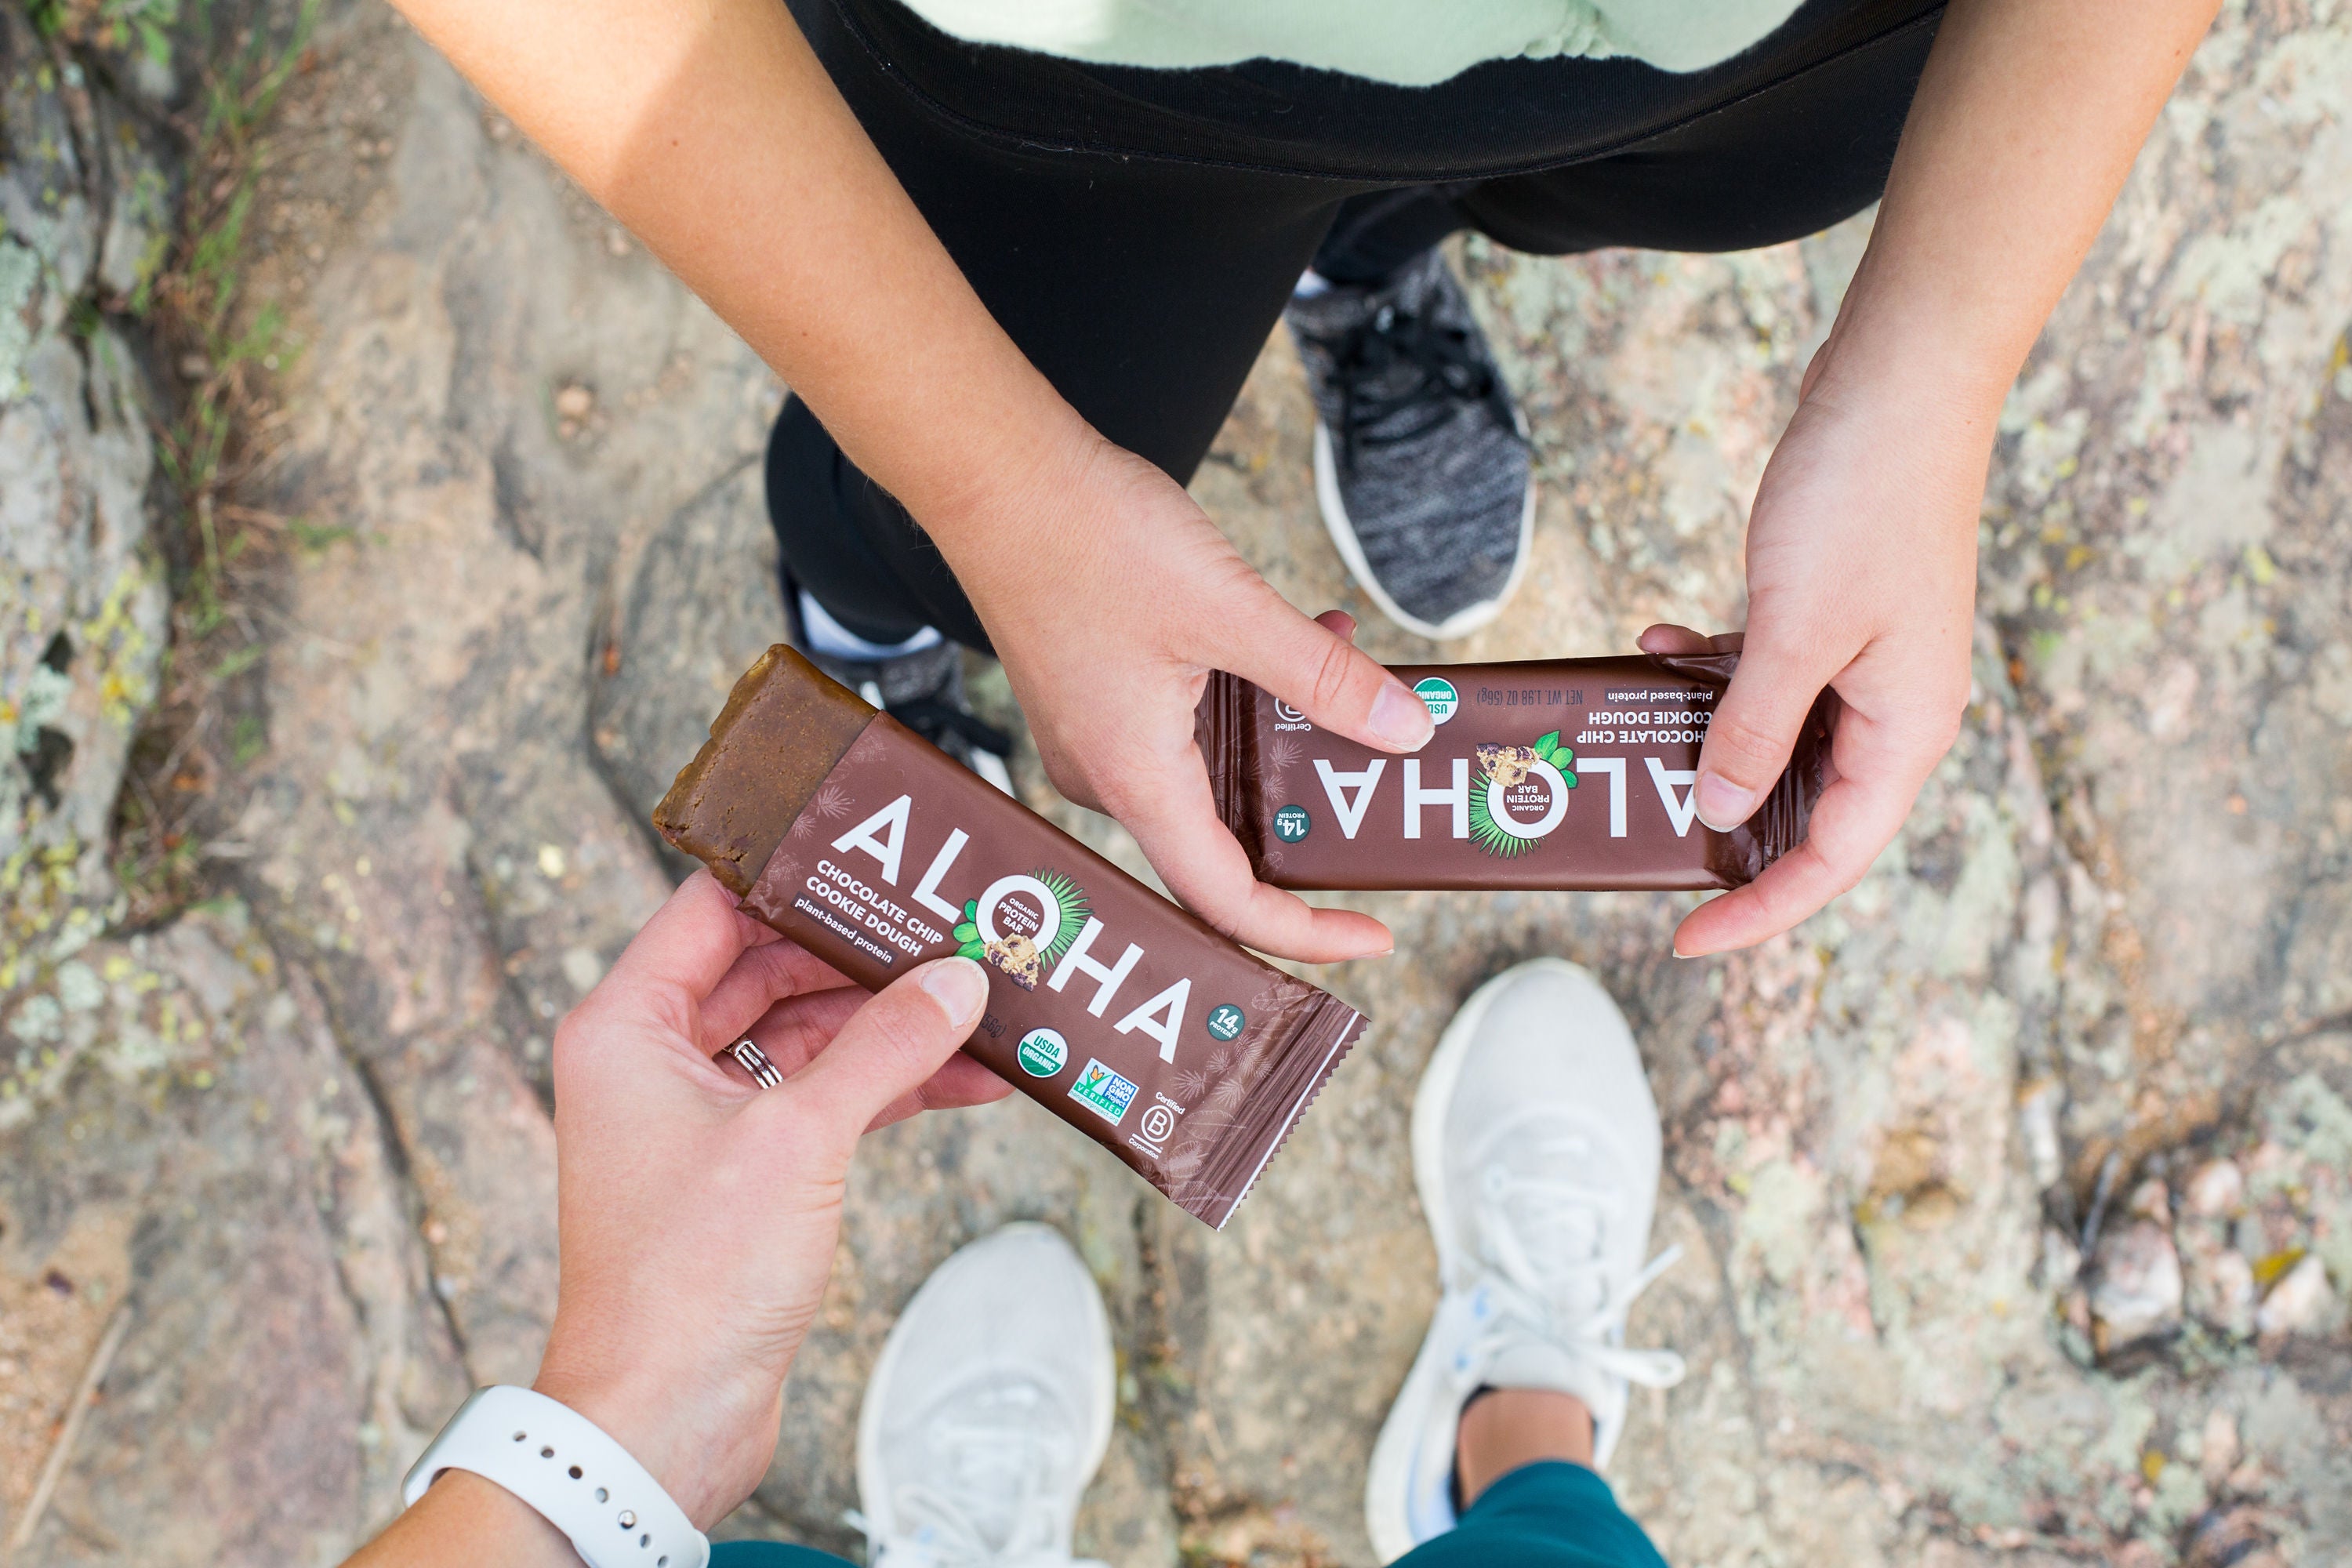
x: 1536, y: 1147
x: 989, y: 1410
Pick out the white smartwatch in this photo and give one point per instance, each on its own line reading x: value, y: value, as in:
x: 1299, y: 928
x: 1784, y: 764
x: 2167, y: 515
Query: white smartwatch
x: 565, y: 1467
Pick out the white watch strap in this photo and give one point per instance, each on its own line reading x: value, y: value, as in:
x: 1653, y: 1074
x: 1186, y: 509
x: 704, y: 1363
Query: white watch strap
x: 566, y: 1467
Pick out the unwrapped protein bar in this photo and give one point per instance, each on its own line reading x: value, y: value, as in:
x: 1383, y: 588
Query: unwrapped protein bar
x: 1575, y: 774
x: 1187, y: 1057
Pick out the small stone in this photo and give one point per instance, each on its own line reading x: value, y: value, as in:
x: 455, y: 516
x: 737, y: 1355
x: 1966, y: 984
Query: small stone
x: 550, y: 861
x: 2219, y: 1284
x: 574, y: 402
x: 2137, y: 1291
x: 2301, y: 1302
x: 583, y: 968
x: 2150, y: 1200
x: 2062, y: 1260
x: 2218, y: 1188
x: 2221, y: 1448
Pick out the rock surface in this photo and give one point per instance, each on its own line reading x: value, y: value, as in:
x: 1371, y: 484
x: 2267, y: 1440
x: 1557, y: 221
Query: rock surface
x: 304, y: 1136
x: 82, y: 603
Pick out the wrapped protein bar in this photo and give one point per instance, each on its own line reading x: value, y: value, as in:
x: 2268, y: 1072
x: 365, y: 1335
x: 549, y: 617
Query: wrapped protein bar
x: 1122, y: 1014
x: 1573, y: 773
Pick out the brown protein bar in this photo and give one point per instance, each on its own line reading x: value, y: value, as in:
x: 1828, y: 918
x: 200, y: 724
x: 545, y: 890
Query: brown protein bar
x: 1573, y: 774
x: 1130, y: 1020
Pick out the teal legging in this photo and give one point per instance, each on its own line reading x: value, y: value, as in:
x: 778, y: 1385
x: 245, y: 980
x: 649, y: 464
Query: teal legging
x: 1544, y: 1515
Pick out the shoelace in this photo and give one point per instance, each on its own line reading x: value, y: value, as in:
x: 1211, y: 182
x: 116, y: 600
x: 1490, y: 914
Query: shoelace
x: 1570, y: 1311
x: 932, y: 719
x: 1447, y: 370
x: 939, y: 1519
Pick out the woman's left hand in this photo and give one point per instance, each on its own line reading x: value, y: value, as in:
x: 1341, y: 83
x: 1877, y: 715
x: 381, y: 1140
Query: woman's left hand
x: 698, y: 1212
x: 1861, y: 578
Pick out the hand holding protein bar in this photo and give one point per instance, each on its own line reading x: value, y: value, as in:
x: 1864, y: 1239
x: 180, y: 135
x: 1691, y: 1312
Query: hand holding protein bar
x: 1186, y: 1057
x: 1574, y: 773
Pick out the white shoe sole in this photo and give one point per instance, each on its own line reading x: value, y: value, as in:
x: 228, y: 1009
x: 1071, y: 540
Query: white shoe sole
x: 1336, y: 523
x: 1388, y: 1481
x: 869, y: 1409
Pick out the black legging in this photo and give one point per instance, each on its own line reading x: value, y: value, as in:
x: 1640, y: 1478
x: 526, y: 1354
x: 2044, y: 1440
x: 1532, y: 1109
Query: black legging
x: 1137, y: 232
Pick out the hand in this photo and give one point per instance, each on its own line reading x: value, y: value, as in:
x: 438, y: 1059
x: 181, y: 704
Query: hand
x: 1861, y: 577
x: 698, y: 1212
x: 1110, y: 597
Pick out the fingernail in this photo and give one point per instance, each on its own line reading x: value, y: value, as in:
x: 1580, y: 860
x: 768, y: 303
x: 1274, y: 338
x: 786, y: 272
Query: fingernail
x: 1722, y: 804
x: 1400, y: 719
x: 960, y: 987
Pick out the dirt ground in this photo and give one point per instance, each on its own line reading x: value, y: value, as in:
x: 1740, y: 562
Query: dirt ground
x: 2015, y: 1190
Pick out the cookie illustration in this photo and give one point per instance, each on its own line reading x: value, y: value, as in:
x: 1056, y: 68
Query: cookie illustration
x: 1506, y: 765
x: 1016, y: 958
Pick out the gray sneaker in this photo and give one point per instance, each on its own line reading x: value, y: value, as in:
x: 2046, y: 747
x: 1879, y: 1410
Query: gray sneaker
x: 1421, y: 466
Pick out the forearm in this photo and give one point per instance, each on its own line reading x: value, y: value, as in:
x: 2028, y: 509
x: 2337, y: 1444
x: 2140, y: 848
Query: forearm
x: 2024, y: 127
x: 711, y: 131
x: 466, y: 1519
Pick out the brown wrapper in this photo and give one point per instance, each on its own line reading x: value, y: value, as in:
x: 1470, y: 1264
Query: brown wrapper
x: 1185, y: 1056
x: 1573, y: 774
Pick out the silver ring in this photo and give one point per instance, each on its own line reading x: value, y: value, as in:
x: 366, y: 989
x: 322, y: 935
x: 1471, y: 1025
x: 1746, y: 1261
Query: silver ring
x: 754, y: 1060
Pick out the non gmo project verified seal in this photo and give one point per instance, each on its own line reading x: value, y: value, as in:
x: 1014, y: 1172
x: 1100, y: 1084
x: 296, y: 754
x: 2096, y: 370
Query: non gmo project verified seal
x: 1103, y: 1091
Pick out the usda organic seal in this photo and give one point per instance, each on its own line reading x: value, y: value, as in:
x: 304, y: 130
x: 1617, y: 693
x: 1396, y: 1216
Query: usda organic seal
x: 1440, y: 697
x: 1043, y: 1053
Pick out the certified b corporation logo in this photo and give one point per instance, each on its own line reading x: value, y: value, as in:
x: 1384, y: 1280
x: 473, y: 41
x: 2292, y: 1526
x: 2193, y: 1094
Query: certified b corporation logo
x: 1043, y: 1053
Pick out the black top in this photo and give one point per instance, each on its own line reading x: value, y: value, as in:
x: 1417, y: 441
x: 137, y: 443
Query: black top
x: 1502, y: 117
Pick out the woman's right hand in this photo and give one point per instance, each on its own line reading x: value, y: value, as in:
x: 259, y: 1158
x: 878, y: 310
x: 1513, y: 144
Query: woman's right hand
x: 710, y: 128
x: 1110, y: 596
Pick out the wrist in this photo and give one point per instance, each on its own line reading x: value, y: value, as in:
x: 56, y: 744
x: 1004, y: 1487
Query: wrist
x: 1905, y: 332
x: 1073, y: 509
x: 706, y: 1441
x: 990, y: 495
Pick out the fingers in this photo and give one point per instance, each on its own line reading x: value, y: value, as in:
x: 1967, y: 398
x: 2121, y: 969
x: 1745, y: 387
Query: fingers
x: 758, y: 979
x: 1169, y: 809
x: 1312, y: 666
x: 893, y: 1044
x: 961, y: 1082
x: 793, y: 1032
x: 1880, y: 765
x: 682, y: 953
x: 1684, y: 643
x: 1757, y: 722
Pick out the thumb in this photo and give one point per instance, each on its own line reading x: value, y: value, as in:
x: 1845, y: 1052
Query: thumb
x: 1756, y: 726
x: 890, y: 1046
x: 1317, y: 671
